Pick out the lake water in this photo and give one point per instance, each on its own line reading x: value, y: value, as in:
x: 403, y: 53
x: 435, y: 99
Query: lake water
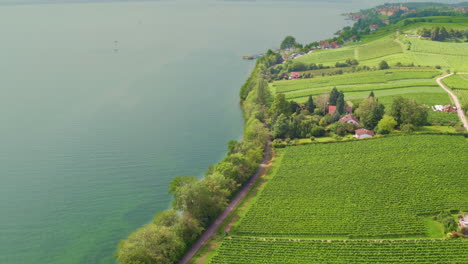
x: 102, y: 104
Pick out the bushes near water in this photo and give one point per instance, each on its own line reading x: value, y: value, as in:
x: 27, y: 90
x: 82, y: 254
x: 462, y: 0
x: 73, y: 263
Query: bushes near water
x: 198, y: 202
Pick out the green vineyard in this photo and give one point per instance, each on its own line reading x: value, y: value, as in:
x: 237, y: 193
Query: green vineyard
x: 249, y: 251
x: 345, y: 190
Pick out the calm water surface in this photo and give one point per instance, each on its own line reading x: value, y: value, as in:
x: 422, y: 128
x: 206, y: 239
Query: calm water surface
x: 102, y: 104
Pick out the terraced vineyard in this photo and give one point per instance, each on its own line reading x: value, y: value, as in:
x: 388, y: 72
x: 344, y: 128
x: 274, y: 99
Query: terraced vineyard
x: 459, y: 84
x: 249, y: 251
x: 375, y: 77
x: 345, y: 190
x: 379, y: 49
x: 458, y: 81
x: 417, y: 84
x: 384, y: 47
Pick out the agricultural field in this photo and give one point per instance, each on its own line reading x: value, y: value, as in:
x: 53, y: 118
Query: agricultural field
x: 459, y: 84
x: 343, y: 190
x: 386, y: 84
x: 378, y: 49
x: 458, y: 81
x: 328, y: 57
x: 255, y: 251
x: 359, y: 78
x: 393, y: 48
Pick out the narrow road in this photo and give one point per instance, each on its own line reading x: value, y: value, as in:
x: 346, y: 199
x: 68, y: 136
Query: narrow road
x: 232, y: 205
x: 460, y: 112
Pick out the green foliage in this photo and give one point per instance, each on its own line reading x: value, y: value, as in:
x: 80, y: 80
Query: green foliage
x: 447, y: 220
x: 317, y: 131
x: 188, y: 229
x: 386, y: 125
x: 383, y: 65
x: 150, y: 244
x: 370, y: 112
x: 310, y: 106
x: 281, y: 127
x: 345, y: 190
x: 280, y: 106
x: 282, y: 251
x: 166, y: 218
x: 288, y: 43
x: 408, y: 111
x: 407, y: 128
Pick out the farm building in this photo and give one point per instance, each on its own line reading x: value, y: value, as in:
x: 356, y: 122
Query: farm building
x: 295, y: 75
x: 364, y: 133
x: 463, y: 225
x: 444, y: 108
x: 350, y: 119
x: 331, y: 109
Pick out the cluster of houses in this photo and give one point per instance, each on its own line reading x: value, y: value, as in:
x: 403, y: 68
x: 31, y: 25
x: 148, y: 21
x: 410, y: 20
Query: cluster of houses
x: 325, y: 44
x: 358, y: 133
x: 351, y: 119
x: 357, y: 16
x: 459, y: 9
x: 390, y: 10
x: 444, y: 108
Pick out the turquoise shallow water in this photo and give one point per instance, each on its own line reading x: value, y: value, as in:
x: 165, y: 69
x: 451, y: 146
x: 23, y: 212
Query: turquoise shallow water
x: 102, y: 104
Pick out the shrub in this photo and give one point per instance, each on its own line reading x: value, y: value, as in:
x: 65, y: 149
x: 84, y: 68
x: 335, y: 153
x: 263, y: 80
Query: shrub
x: 408, y: 128
x: 317, y: 131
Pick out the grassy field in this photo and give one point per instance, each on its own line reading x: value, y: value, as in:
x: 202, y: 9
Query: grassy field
x: 386, y: 84
x: 251, y: 251
x: 344, y: 190
x: 386, y: 45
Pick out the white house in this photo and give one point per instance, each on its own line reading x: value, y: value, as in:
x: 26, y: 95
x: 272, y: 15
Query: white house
x: 364, y: 133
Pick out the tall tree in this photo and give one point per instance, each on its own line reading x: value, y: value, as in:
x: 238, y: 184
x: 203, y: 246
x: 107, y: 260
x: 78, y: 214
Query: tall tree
x: 310, y: 106
x: 281, y: 126
x: 150, y: 244
x: 280, y: 106
x: 263, y: 92
x: 340, y: 103
x: 334, y: 94
x: 383, y: 65
x: 288, y: 43
x: 408, y: 111
x: 370, y: 112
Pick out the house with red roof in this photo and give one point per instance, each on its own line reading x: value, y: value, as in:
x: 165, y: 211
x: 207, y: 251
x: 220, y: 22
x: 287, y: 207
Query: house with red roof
x: 363, y: 133
x: 334, y: 45
x: 350, y: 119
x: 295, y: 75
x: 331, y: 109
x: 374, y: 27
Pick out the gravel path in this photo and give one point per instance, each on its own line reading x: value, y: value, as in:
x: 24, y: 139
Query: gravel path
x: 240, y: 195
x: 460, y: 112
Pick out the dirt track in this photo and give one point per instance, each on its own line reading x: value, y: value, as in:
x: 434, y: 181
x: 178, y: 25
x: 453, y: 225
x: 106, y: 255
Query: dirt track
x: 232, y: 205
